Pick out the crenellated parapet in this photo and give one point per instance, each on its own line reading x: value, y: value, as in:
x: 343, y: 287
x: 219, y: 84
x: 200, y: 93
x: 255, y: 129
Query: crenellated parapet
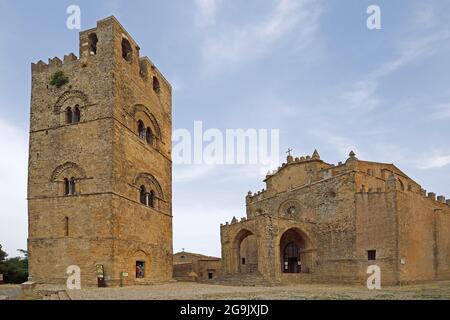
x: 53, y: 63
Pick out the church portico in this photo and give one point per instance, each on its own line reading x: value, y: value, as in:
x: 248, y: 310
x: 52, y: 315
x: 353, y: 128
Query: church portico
x: 250, y: 247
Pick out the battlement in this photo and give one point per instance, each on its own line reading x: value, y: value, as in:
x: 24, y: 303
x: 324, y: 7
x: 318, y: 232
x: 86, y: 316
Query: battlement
x: 55, y: 62
x: 111, y: 42
x: 291, y: 160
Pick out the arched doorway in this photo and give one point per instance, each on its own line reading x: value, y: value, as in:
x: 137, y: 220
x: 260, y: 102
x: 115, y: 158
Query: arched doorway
x: 293, y: 245
x: 291, y: 258
x: 247, y: 252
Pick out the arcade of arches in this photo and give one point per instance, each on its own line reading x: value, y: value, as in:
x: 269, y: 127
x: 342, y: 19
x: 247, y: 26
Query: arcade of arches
x: 250, y: 256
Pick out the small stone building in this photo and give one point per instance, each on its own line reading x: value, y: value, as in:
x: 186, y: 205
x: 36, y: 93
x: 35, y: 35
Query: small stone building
x: 196, y: 267
x: 100, y: 169
x: 319, y: 222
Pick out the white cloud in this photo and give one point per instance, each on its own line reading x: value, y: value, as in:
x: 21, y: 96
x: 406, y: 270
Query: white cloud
x: 436, y: 159
x: 13, y: 187
x: 340, y: 143
x: 250, y: 41
x: 441, y: 111
x: 207, y: 11
x: 363, y: 94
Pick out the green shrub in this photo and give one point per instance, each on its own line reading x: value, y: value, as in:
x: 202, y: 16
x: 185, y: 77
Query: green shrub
x: 59, y: 79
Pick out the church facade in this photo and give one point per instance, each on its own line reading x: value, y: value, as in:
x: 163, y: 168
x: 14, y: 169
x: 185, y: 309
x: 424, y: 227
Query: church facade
x: 100, y: 167
x: 322, y: 223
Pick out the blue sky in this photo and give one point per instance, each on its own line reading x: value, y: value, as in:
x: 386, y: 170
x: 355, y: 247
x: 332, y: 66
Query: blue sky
x: 309, y: 68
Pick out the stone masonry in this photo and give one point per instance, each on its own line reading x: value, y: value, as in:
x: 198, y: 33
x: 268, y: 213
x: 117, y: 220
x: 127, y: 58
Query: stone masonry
x: 319, y: 222
x: 99, y: 183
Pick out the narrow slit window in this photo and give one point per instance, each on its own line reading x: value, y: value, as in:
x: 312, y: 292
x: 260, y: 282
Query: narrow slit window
x: 66, y: 226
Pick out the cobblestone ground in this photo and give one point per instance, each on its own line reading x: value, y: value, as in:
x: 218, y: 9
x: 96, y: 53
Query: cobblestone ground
x: 10, y: 291
x: 194, y: 291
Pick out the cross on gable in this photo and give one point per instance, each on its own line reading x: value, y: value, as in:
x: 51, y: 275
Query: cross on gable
x: 289, y: 150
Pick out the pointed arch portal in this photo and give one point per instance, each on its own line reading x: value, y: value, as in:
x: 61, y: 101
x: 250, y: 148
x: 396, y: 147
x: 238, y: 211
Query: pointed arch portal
x: 293, y: 246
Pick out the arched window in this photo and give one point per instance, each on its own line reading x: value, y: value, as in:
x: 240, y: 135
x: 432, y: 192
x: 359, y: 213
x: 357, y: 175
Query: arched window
x: 156, y: 86
x: 127, y: 52
x: 149, y: 136
x: 141, y: 130
x: 72, y: 186
x: 76, y: 115
x: 143, y: 195
x: 151, y: 199
x: 66, y: 187
x: 69, y: 115
x: 93, y: 44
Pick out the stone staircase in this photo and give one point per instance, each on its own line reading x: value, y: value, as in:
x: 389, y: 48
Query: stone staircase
x: 60, y: 295
x: 243, y: 279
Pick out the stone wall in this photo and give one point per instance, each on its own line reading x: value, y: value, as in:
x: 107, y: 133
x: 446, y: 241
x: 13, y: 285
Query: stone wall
x: 104, y: 222
x: 339, y: 216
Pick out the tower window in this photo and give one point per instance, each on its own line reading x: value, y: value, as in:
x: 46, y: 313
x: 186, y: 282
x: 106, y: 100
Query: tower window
x: 141, y: 130
x: 92, y: 39
x: 243, y: 261
x: 371, y: 255
x: 127, y: 52
x: 73, y: 115
x: 151, y: 199
x: 156, y: 85
x: 143, y: 195
x: 76, y: 115
x: 69, y: 186
x: 72, y: 186
x: 149, y: 136
x: 66, y: 187
x: 69, y: 115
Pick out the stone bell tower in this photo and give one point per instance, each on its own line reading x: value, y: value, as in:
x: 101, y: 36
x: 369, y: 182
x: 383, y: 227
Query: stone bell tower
x: 99, y: 180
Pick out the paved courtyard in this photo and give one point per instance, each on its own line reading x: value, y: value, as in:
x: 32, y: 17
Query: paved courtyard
x: 182, y: 290
x: 195, y: 291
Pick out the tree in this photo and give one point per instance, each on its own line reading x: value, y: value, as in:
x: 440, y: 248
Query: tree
x: 14, y: 270
x: 3, y: 254
x: 24, y: 252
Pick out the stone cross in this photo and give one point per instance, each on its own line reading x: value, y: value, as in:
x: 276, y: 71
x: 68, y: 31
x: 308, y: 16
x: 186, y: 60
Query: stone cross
x: 289, y: 150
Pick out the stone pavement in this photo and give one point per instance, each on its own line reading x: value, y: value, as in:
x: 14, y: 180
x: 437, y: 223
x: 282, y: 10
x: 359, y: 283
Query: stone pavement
x: 196, y: 291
